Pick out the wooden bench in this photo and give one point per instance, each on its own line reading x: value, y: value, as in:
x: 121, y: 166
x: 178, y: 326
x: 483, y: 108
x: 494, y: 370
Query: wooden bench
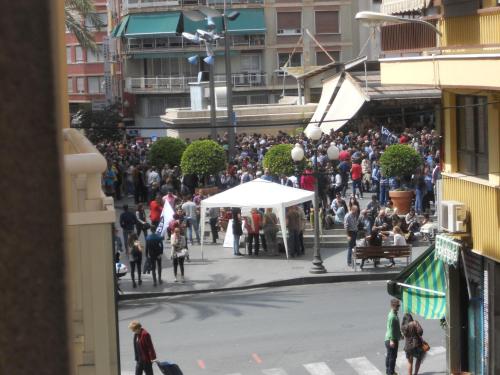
x: 390, y: 251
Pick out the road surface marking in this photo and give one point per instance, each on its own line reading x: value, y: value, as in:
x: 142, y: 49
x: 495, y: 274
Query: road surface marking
x: 436, y: 350
x: 128, y: 373
x: 256, y: 358
x: 319, y: 368
x: 401, y: 360
x: 274, y: 371
x: 363, y: 366
x: 201, y: 364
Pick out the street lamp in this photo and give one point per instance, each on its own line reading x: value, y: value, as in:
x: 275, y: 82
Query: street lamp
x: 314, y: 133
x: 373, y: 19
x: 209, y: 14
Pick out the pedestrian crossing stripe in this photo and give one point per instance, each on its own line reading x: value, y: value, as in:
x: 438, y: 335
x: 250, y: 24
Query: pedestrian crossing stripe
x: 319, y: 368
x: 363, y: 366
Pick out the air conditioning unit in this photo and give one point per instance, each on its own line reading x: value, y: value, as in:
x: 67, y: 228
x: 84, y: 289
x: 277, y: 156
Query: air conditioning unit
x: 452, y: 216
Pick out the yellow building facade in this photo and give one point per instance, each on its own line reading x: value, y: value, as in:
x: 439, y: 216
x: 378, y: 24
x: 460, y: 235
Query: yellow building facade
x: 465, y: 65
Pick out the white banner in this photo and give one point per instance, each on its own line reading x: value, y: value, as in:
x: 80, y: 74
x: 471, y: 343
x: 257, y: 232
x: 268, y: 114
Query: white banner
x: 167, y: 214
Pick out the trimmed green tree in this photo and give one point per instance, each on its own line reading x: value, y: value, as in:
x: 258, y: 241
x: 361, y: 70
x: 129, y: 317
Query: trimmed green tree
x: 203, y: 158
x: 166, y: 150
x: 279, y: 160
x: 400, y: 161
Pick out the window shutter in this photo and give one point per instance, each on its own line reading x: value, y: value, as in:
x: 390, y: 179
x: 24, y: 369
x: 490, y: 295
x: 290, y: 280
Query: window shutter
x: 327, y: 22
x: 289, y: 20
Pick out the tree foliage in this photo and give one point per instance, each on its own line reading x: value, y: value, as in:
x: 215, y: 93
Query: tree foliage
x: 76, y: 13
x: 99, y: 125
x: 204, y: 158
x: 400, y: 161
x: 279, y: 160
x: 166, y: 151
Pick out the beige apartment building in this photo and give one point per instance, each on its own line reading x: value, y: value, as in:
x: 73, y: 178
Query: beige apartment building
x: 266, y: 35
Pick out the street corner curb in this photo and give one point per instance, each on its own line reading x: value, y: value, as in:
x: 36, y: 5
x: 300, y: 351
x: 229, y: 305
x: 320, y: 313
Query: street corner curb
x: 308, y: 280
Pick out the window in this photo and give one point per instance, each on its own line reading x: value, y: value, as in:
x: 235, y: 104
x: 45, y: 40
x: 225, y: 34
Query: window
x: 70, y: 84
x: 289, y: 23
x: 323, y: 59
x: 327, y: 22
x: 103, y: 18
x: 156, y: 107
x: 79, y: 54
x: 97, y: 56
x: 80, y: 85
x: 250, y: 63
x: 69, y: 60
x: 472, y: 135
x: 295, y: 60
x: 96, y: 85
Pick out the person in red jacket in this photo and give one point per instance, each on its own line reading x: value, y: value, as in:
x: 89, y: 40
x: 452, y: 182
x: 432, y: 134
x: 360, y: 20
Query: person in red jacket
x: 155, y: 207
x: 307, y: 182
x: 144, y: 350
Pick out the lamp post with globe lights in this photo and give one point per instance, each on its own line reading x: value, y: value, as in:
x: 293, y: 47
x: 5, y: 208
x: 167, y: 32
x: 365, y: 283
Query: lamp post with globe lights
x: 314, y: 133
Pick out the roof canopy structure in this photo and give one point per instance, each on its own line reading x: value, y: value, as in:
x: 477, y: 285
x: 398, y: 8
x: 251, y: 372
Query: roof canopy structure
x: 258, y: 193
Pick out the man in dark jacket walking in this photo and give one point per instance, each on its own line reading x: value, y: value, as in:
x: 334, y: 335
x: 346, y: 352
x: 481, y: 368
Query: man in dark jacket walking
x: 154, y: 251
x: 144, y: 350
x: 127, y: 222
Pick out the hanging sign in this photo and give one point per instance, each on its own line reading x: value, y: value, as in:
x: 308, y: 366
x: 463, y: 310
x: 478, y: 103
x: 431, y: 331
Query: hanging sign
x: 447, y: 249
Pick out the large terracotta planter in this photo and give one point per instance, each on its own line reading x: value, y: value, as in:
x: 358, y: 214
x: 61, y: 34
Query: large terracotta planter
x: 402, y: 200
x: 206, y: 191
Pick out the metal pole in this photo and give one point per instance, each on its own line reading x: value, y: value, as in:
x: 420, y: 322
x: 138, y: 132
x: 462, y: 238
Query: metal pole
x: 213, y: 114
x: 317, y: 261
x: 231, y: 120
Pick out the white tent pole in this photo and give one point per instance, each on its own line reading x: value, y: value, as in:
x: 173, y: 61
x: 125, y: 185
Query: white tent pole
x: 203, y: 210
x: 282, y: 215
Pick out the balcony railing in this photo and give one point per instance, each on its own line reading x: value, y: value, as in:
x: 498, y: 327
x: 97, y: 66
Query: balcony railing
x: 177, y: 42
x: 407, y: 37
x: 245, y: 79
x: 181, y: 84
x: 132, y: 4
x: 158, y: 84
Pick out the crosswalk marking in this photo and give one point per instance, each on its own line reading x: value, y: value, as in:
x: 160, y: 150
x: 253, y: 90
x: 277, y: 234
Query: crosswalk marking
x: 274, y: 371
x: 363, y: 366
x: 319, y: 368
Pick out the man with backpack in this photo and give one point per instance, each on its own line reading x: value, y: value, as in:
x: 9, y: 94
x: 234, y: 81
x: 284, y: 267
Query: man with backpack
x: 154, y: 251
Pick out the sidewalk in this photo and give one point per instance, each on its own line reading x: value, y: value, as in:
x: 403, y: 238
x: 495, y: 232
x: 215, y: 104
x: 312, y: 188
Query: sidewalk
x: 220, y: 270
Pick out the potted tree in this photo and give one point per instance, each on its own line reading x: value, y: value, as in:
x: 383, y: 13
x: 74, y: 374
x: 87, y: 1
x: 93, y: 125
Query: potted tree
x: 167, y: 150
x: 401, y: 162
x: 204, y: 158
x: 279, y: 162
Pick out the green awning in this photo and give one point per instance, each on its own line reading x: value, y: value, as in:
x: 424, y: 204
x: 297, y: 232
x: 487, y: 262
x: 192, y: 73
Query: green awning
x: 153, y: 25
x: 120, y: 28
x: 422, y: 286
x: 250, y: 21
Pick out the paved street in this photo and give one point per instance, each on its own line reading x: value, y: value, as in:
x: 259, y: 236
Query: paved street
x: 316, y: 329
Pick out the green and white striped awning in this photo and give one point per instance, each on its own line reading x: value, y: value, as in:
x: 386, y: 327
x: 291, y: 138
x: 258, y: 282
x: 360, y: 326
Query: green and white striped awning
x: 447, y: 249
x: 422, y: 286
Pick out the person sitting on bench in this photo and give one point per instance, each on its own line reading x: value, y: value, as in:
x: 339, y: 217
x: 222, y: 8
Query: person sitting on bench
x: 374, y: 239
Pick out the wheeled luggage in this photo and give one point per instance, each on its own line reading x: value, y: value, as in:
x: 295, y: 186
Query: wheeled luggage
x: 168, y: 368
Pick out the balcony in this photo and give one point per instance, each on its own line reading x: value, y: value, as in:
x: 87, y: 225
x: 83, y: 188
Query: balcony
x: 479, y: 30
x: 478, y: 194
x: 179, y: 43
x: 137, y: 4
x: 407, y: 37
x: 148, y: 85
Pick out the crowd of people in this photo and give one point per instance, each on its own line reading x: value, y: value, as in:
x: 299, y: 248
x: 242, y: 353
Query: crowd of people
x: 129, y: 175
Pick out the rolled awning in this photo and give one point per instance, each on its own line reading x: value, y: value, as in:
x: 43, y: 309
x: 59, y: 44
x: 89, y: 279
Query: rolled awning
x: 348, y: 101
x: 151, y: 25
x: 403, y: 6
x: 422, y: 286
x: 329, y: 87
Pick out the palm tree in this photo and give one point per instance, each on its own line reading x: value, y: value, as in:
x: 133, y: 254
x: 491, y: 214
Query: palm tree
x: 76, y: 12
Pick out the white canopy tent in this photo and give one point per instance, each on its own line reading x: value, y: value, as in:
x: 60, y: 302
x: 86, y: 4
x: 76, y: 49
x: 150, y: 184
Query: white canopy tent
x: 258, y: 193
